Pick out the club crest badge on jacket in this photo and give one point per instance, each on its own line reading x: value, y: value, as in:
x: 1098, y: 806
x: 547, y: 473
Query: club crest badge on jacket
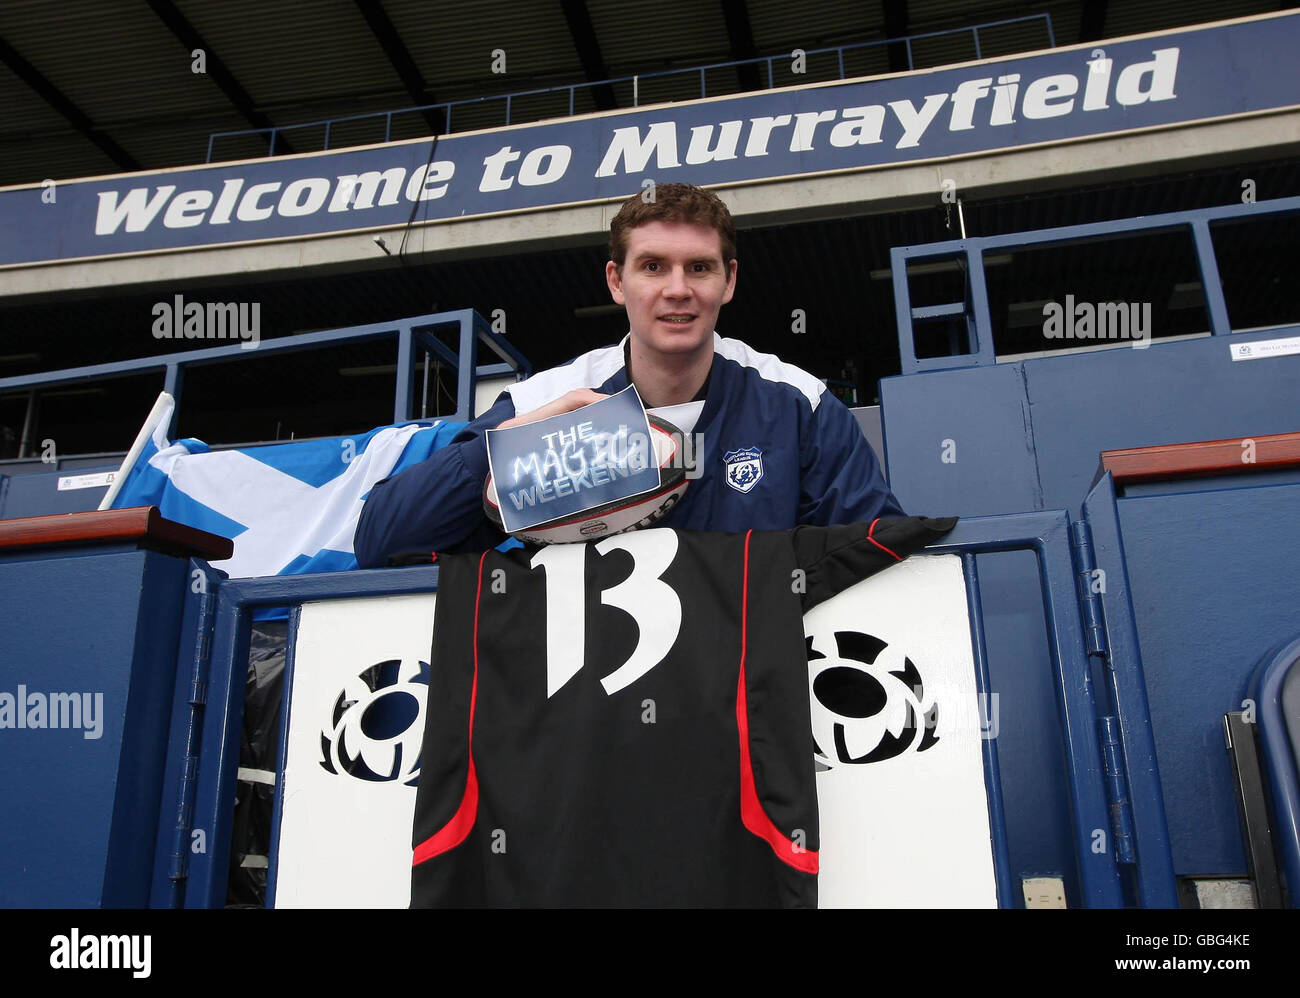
x: 744, y: 468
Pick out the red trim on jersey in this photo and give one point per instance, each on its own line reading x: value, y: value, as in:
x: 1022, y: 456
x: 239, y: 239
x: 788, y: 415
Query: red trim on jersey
x: 751, y: 808
x: 455, y: 831
x: 870, y: 531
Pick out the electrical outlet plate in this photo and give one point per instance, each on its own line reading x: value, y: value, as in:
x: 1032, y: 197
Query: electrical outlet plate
x: 1043, y: 892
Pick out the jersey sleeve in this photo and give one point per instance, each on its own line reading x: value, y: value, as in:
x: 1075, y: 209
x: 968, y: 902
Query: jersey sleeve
x: 436, y: 505
x: 840, y: 478
x: 835, y: 558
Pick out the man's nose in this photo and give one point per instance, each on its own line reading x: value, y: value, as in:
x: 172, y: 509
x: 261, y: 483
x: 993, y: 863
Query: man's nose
x: 677, y: 285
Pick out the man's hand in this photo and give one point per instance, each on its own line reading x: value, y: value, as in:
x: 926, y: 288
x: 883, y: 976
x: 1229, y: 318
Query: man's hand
x: 575, y: 399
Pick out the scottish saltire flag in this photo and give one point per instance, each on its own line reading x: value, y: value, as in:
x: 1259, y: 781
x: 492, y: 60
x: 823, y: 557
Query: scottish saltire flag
x: 291, y: 508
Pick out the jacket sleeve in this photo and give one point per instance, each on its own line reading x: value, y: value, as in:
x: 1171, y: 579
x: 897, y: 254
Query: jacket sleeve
x: 840, y: 479
x: 436, y: 505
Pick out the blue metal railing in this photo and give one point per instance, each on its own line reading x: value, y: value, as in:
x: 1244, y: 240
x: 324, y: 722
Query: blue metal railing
x: 1276, y: 735
x: 446, y: 107
x: 970, y: 256
x: 414, y: 334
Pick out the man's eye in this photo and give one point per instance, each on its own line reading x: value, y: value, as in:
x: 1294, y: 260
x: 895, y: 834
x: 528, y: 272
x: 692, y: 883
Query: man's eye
x: 652, y: 266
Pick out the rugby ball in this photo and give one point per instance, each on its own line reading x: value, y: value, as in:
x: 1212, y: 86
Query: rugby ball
x: 616, y: 517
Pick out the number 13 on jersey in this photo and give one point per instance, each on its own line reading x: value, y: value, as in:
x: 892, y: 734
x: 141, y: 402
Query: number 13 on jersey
x: 643, y: 595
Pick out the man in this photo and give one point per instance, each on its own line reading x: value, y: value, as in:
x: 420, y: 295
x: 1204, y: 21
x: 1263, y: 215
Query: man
x: 774, y: 448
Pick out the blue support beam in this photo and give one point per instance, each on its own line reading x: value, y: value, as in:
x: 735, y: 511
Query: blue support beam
x: 1156, y: 884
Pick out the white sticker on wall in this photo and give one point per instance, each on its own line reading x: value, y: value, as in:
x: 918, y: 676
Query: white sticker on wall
x: 1264, y: 349
x: 70, y: 482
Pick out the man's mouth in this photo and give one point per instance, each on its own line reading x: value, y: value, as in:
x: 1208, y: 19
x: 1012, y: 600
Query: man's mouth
x: 678, y: 318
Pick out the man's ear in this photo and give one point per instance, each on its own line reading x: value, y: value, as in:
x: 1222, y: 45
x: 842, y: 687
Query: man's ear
x: 614, y: 279
x: 731, y: 281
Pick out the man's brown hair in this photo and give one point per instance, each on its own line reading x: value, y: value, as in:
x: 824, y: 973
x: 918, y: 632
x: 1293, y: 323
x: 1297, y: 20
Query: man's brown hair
x: 673, y: 203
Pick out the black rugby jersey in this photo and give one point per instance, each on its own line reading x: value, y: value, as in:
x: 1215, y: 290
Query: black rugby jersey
x: 626, y: 722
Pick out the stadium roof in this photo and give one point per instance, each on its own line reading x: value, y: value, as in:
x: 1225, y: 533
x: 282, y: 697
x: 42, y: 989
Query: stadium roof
x: 90, y: 87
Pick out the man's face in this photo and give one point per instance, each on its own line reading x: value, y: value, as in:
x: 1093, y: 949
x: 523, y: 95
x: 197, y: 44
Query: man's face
x: 673, y: 283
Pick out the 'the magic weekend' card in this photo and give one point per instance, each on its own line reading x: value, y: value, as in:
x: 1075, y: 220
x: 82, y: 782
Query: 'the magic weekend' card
x: 559, y: 467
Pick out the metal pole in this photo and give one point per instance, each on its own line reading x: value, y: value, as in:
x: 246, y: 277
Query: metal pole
x: 1216, y: 305
x: 424, y: 397
x: 28, y: 421
x: 634, y: 91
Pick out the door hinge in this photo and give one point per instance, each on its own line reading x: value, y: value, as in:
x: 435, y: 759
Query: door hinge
x: 1117, y: 797
x: 178, y: 868
x: 1091, y: 587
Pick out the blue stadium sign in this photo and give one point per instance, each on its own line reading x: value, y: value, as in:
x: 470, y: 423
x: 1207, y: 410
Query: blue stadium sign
x: 1058, y: 95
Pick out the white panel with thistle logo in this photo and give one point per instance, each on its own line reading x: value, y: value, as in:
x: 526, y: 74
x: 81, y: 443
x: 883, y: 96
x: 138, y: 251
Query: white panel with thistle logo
x: 898, y: 725
x: 356, y: 723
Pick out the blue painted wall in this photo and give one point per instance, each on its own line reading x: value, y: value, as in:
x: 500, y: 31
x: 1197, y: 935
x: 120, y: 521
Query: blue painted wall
x: 79, y: 815
x: 1026, y: 436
